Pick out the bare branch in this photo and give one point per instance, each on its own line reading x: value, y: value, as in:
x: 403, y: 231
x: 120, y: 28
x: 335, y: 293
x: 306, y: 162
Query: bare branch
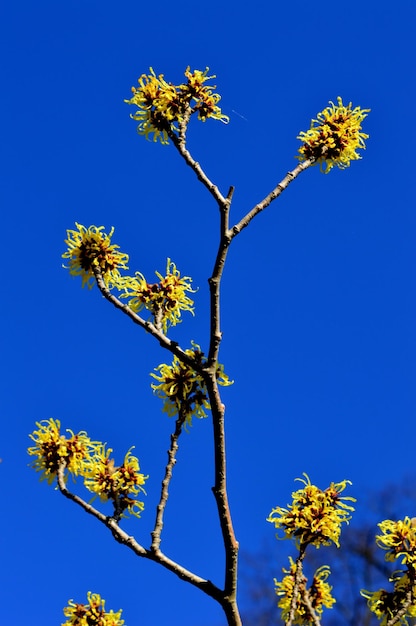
x: 299, y: 578
x: 163, y: 340
x: 157, y: 531
x: 290, y: 176
x: 407, y: 604
x: 215, y: 280
x: 305, y: 597
x: 154, y: 555
x: 220, y: 489
x: 179, y: 141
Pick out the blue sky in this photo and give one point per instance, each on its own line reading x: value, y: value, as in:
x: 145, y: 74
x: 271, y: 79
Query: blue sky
x: 318, y: 294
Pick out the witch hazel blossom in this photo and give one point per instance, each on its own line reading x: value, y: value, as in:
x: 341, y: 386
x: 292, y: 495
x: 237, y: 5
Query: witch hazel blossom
x: 318, y: 592
x: 334, y: 136
x: 162, y: 106
x: 91, y: 614
x: 52, y: 449
x: 315, y: 515
x: 90, y: 248
x: 166, y: 299
x: 182, y: 388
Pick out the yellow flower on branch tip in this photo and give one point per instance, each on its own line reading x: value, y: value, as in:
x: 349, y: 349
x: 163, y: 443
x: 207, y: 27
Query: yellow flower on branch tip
x: 51, y: 449
x: 119, y: 485
x: 334, y: 137
x: 161, y: 105
x: 91, y: 614
x: 202, y: 99
x: 89, y: 248
x: 158, y: 107
x: 315, y: 516
x: 165, y: 300
x: 319, y: 594
x: 183, y: 389
x: 398, y: 539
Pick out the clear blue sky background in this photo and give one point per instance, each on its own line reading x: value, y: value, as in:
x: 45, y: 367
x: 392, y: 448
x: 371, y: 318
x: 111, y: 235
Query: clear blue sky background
x: 318, y: 299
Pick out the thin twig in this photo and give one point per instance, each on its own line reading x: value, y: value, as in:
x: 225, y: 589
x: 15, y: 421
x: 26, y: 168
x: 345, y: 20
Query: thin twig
x: 160, y: 509
x: 290, y: 176
x: 163, y: 340
x: 215, y: 280
x: 305, y: 597
x: 299, y: 578
x: 110, y: 522
x: 128, y: 540
x: 398, y: 617
x: 179, y: 141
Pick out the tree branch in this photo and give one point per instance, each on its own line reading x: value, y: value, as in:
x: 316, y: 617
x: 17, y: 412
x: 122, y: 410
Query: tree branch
x: 400, y: 614
x: 215, y: 280
x: 290, y: 176
x: 307, y: 601
x: 160, y: 510
x: 179, y: 141
x: 153, y: 555
x: 298, y: 580
x: 163, y: 340
x: 220, y: 492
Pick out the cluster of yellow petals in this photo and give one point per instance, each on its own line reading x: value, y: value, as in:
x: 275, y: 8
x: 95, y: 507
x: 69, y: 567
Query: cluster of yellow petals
x: 183, y: 389
x: 116, y: 483
x: 319, y: 594
x: 334, y: 137
x: 398, y: 538
x: 315, y: 515
x: 90, y: 248
x: 52, y: 448
x: 90, y: 460
x: 91, y: 614
x: 165, y: 299
x: 160, y: 105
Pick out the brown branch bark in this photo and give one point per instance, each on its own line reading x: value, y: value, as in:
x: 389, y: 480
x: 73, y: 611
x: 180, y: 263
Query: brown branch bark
x: 160, y: 509
x: 163, y: 340
x: 226, y: 235
x: 275, y: 193
x: 128, y: 540
x: 231, y: 546
x: 298, y: 581
x: 228, y: 597
x: 396, y: 619
x: 312, y: 612
x: 179, y: 141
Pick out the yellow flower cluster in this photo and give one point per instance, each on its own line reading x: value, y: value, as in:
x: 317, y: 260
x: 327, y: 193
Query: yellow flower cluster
x: 89, y: 248
x: 51, y: 448
x: 334, y: 137
x: 161, y: 105
x: 88, y: 459
x: 315, y: 516
x: 91, y: 614
x: 117, y: 484
x: 398, y: 538
x: 182, y: 389
x: 166, y: 299
x: 319, y: 594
